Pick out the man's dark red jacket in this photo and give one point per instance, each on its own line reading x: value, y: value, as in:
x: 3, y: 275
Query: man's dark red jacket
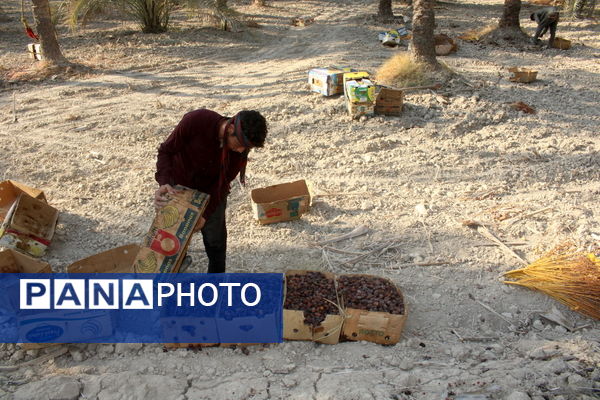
x: 191, y: 156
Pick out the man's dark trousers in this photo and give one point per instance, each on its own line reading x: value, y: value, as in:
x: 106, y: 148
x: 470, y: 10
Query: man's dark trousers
x: 214, y: 235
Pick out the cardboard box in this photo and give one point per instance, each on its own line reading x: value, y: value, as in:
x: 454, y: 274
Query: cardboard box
x: 522, y: 75
x: 283, y: 202
x: 360, y: 91
x: 35, y: 51
x: 389, y: 102
x: 353, y: 76
x: 117, y: 260
x: 327, y: 81
x: 13, y: 262
x: 294, y: 327
x: 560, y: 43
x: 373, y: 326
x: 72, y: 327
x: 444, y: 45
x: 188, y: 330
x: 10, y: 191
x: 45, y: 326
x: 188, y: 345
x: 165, y: 245
x: 29, y: 225
x: 357, y: 110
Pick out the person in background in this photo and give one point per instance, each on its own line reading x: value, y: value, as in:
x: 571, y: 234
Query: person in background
x: 206, y: 151
x: 546, y: 18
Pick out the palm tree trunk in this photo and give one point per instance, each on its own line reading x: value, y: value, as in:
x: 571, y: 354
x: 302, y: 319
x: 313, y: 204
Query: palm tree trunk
x: 423, y: 43
x: 385, y: 11
x: 49, y: 43
x: 510, y: 15
x: 221, y: 4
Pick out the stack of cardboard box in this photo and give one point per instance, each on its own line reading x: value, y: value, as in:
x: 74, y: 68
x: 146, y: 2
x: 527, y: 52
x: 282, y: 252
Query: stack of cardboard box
x: 27, y: 221
x: 359, y: 92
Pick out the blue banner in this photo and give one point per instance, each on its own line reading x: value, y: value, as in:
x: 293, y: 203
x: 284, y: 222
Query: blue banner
x: 141, y: 308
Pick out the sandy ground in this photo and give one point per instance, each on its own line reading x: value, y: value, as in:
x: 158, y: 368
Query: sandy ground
x: 91, y: 142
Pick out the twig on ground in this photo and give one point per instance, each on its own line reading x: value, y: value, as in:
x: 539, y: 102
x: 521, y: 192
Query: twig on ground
x: 380, y: 250
x: 420, y: 264
x: 485, y: 232
x: 341, y: 194
x: 495, y: 245
x: 474, y: 339
x: 440, y: 99
x: 558, y: 318
x: 361, y: 230
x: 334, y: 250
x: 14, y: 108
x: 39, y: 360
x: 457, y: 335
x: 516, y: 218
x: 490, y: 309
x: 413, y: 88
x: 428, y: 236
x: 328, y: 261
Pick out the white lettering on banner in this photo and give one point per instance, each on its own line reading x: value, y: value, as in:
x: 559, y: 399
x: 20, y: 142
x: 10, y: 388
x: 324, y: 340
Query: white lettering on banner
x: 34, y: 294
x: 162, y: 294
x: 257, y: 300
x: 229, y: 286
x: 215, y: 294
x: 103, y: 294
x: 133, y: 294
x: 181, y: 293
x: 138, y: 294
x: 69, y: 294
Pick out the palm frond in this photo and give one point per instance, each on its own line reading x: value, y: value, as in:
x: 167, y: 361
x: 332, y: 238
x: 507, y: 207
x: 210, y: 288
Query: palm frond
x: 152, y: 15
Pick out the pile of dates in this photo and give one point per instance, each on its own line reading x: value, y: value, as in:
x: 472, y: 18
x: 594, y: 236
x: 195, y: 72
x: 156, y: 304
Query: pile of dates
x: 307, y: 292
x: 370, y: 293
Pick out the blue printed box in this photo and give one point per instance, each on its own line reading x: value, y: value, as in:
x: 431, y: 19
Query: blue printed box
x: 328, y: 81
x: 283, y: 202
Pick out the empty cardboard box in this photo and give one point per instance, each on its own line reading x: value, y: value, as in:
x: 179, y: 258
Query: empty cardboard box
x: 117, y: 260
x: 283, y: 202
x: 13, y: 262
x: 389, y: 102
x: 29, y: 225
x: 327, y: 81
x: 560, y: 43
x: 10, y: 191
x: 444, y: 45
x: 165, y: 245
x: 522, y: 75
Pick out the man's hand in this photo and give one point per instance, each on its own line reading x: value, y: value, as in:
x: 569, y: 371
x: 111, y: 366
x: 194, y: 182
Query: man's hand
x: 199, y: 224
x: 162, y: 196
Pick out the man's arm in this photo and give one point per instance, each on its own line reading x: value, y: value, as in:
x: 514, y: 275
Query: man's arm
x: 175, y: 143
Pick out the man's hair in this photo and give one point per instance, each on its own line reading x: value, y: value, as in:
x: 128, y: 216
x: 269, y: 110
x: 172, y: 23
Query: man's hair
x: 254, y: 127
